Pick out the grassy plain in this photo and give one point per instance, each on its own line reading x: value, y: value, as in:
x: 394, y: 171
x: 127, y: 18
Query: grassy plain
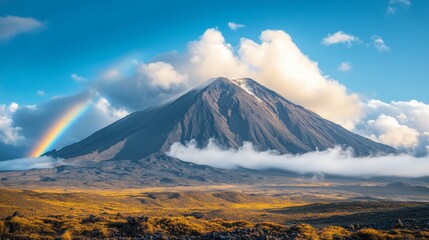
x: 197, y: 212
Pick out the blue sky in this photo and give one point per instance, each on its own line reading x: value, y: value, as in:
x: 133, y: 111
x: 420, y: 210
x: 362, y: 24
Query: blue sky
x: 83, y: 37
x: 55, y: 53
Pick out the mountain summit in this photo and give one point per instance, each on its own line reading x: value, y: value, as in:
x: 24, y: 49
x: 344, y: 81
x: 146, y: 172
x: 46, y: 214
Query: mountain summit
x: 231, y: 111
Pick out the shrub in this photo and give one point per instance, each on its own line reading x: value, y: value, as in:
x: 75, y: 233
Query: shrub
x: 34, y: 236
x: 423, y: 234
x: 25, y: 226
x: 303, y: 231
x: 274, y: 227
x: 2, y: 227
x: 235, y: 224
x: 180, y: 226
x: 67, y: 235
x: 135, y: 226
x: 368, y: 234
x: 333, y: 232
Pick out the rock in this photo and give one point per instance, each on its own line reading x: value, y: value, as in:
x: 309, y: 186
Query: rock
x: 92, y: 219
x: 351, y: 226
x: 399, y: 223
x: 197, y: 215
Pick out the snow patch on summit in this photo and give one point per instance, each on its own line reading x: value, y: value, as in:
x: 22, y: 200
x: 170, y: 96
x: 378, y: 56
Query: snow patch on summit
x: 242, y: 82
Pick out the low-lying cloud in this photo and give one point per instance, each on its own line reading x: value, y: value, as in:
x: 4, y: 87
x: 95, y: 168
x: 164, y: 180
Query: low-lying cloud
x: 30, y: 163
x: 334, y: 161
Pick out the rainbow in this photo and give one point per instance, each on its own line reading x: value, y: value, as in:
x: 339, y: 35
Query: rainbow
x: 59, y: 127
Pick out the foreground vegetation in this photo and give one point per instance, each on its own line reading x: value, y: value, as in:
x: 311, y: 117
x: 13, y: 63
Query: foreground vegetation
x: 102, y: 227
x: 203, y: 214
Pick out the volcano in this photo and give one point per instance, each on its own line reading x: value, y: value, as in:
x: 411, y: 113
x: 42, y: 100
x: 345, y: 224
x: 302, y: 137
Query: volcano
x: 229, y: 111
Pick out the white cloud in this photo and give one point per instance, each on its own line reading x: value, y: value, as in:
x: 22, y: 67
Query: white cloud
x: 340, y: 37
x: 209, y: 57
x: 393, y: 133
x: 10, y: 26
x: 345, y: 67
x: 379, y: 44
x: 40, y: 93
x: 77, y: 78
x: 333, y: 161
x: 9, y: 133
x: 29, y: 163
x: 161, y: 74
x: 104, y: 105
x: 275, y: 62
x: 401, y: 124
x: 280, y: 65
x: 234, y: 26
x: 13, y: 107
x: 394, y: 5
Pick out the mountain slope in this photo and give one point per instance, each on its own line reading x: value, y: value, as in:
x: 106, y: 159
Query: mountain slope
x: 229, y: 110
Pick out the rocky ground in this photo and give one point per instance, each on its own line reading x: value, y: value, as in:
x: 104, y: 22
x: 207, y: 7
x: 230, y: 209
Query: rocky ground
x: 19, y: 226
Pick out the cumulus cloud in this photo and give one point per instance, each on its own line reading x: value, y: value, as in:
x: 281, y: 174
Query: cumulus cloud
x: 395, y: 5
x: 275, y: 61
x: 345, y: 67
x: 104, y: 106
x: 77, y: 78
x: 332, y: 161
x: 379, y: 44
x: 392, y: 133
x: 11, y: 26
x: 161, y: 74
x: 29, y: 163
x: 10, y: 134
x: 13, y: 107
x: 339, y: 37
x: 280, y: 65
x: 211, y: 56
x: 399, y: 123
x: 173, y: 74
x: 234, y: 26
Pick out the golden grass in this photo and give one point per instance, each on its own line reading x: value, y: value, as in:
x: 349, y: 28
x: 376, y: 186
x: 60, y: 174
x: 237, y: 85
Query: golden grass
x: 112, y: 226
x: 67, y: 235
x: 369, y: 234
x: 305, y: 232
x: 334, y: 232
x: 60, y: 214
